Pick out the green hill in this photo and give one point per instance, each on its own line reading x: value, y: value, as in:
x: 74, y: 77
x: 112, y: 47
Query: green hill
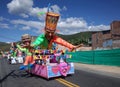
x: 4, y: 46
x: 82, y: 37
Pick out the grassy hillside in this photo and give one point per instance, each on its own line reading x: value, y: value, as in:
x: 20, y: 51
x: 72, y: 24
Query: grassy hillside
x: 4, y: 46
x: 82, y: 35
x: 78, y: 38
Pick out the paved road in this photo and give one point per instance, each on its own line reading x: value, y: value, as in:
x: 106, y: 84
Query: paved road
x: 10, y: 76
x: 112, y: 71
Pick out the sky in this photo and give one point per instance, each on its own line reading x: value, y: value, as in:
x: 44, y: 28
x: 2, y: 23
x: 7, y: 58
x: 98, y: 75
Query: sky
x: 18, y: 17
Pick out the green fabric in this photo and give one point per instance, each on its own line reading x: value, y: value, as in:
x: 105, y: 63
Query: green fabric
x: 13, y: 54
x: 41, y: 41
x: 103, y: 57
x: 24, y: 50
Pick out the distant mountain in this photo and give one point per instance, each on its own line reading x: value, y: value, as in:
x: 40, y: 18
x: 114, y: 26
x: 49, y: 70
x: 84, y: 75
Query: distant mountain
x: 4, y: 46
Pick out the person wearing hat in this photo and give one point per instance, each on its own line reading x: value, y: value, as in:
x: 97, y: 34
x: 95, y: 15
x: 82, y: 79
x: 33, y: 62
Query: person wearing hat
x: 27, y: 49
x: 45, y: 40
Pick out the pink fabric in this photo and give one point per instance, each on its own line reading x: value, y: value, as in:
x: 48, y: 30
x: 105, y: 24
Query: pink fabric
x: 63, y: 68
x: 57, y: 54
x: 40, y: 70
x: 19, y: 53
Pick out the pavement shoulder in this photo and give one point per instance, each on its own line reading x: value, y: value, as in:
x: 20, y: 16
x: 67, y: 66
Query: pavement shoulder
x: 112, y: 71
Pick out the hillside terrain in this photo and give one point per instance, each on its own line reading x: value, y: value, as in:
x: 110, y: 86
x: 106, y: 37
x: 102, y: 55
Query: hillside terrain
x: 4, y: 46
x: 82, y: 37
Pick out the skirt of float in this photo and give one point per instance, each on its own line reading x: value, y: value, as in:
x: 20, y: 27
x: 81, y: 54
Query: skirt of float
x: 53, y: 70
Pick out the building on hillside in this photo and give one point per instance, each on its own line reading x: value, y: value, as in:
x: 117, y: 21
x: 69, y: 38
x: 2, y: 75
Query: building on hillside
x: 107, y: 39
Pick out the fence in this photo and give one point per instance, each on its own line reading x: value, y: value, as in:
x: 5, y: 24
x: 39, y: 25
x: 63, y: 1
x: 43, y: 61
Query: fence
x: 103, y: 57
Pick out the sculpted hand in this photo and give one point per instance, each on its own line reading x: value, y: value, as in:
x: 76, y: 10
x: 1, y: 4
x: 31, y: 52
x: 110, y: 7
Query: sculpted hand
x: 80, y: 45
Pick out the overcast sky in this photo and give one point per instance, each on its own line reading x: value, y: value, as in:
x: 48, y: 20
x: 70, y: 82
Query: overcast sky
x: 19, y: 17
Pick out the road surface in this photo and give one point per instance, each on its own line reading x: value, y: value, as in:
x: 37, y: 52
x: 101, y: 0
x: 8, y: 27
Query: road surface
x: 10, y: 76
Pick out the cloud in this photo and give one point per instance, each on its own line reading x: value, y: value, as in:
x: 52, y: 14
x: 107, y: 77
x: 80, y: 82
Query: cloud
x: 25, y: 28
x: 72, y: 25
x: 36, y: 10
x: 64, y: 8
x: 8, y: 42
x: 67, y: 26
x: 20, y: 7
x: 24, y: 15
x: 56, y: 8
x: 99, y: 28
x: 29, y: 25
x: 3, y: 19
x: 25, y: 8
x: 4, y: 25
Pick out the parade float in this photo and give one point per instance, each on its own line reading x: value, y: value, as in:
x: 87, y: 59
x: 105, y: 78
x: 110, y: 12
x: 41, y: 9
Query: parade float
x: 47, y: 62
x: 51, y: 63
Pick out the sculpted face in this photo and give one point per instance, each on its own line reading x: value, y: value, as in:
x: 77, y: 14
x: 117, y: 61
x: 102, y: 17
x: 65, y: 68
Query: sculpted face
x: 26, y: 42
x: 49, y: 33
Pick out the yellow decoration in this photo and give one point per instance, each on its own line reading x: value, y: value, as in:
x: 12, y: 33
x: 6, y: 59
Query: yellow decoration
x: 70, y: 56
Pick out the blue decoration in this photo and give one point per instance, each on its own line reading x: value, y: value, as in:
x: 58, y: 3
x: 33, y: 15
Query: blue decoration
x: 23, y: 67
x: 48, y: 7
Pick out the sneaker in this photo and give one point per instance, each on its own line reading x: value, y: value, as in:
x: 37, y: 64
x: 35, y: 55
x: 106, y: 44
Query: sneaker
x: 31, y: 65
x: 22, y: 67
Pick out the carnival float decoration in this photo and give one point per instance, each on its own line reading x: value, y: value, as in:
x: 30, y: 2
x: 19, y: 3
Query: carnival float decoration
x: 47, y: 61
x: 51, y: 63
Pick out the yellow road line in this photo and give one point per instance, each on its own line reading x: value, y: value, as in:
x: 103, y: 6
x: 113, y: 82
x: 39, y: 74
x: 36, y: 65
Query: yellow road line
x: 65, y: 82
x: 69, y: 83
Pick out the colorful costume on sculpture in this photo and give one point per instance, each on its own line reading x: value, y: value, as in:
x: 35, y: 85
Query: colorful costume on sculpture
x: 51, y: 23
x: 44, y: 43
x: 28, y: 51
